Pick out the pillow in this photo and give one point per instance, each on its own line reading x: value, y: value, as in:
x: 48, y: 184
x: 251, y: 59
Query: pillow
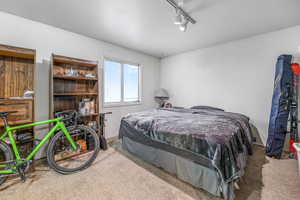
x: 206, y: 108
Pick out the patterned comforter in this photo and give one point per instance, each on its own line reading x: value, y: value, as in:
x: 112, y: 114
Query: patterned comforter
x: 215, y: 136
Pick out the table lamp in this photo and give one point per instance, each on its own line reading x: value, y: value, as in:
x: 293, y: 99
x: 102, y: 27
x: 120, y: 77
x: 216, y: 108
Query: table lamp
x: 161, y: 95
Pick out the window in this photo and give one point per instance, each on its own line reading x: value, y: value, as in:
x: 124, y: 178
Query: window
x: 121, y: 83
x: 113, y: 82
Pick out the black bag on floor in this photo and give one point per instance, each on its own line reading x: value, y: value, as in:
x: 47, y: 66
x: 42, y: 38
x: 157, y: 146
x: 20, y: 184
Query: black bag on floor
x: 103, y: 142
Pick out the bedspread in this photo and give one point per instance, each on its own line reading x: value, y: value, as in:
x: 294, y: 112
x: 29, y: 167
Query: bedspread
x: 215, y: 137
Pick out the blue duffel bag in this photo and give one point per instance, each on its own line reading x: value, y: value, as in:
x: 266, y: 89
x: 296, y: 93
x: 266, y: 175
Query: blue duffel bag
x: 280, y: 109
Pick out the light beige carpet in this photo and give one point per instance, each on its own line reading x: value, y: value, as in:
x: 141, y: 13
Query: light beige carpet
x: 116, y: 175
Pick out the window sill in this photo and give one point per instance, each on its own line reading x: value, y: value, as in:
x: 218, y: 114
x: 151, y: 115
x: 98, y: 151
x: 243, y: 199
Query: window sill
x: 111, y: 105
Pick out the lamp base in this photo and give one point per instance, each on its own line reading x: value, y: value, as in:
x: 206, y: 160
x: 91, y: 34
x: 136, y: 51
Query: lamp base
x: 161, y: 101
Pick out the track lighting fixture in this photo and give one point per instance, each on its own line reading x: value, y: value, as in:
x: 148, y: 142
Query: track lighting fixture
x: 178, y: 18
x: 182, y: 18
x: 183, y: 24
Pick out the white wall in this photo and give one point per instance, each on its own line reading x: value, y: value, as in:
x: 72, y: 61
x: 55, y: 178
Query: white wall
x: 46, y: 40
x: 237, y: 76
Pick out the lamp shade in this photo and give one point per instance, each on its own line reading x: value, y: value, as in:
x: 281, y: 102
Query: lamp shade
x: 161, y: 93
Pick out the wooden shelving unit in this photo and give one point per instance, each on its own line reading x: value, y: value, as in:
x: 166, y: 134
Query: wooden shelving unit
x: 17, y: 75
x: 73, y: 82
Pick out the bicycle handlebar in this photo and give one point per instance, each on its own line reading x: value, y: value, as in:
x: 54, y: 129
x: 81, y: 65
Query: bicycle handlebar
x: 9, y: 111
x: 106, y: 113
x: 67, y: 115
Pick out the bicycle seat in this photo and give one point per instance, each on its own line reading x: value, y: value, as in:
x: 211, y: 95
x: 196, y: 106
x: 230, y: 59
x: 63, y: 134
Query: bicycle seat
x: 6, y: 113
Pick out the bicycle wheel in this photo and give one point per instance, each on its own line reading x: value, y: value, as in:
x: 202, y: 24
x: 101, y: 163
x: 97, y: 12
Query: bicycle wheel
x: 63, y: 159
x: 5, y: 155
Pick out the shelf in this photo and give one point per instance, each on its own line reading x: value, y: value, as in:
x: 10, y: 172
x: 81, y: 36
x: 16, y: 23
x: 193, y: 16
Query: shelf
x: 17, y: 76
x: 74, y: 91
x: 76, y: 94
x: 74, y: 78
x: 74, y: 61
x: 25, y: 141
x: 17, y: 123
x: 90, y: 115
x: 16, y: 99
x: 18, y: 52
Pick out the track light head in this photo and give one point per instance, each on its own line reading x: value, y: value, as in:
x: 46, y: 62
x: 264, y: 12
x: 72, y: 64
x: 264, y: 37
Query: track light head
x: 183, y: 27
x: 178, y: 19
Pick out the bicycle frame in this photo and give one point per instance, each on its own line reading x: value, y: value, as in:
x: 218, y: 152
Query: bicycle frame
x: 59, y: 125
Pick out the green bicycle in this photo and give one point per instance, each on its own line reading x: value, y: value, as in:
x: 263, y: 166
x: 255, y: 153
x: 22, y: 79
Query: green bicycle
x: 71, y: 149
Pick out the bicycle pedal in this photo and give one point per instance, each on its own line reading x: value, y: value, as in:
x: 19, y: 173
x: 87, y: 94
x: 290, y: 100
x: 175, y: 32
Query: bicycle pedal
x: 23, y: 177
x: 21, y: 171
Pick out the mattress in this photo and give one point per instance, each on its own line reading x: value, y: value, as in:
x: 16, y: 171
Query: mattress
x: 212, y: 138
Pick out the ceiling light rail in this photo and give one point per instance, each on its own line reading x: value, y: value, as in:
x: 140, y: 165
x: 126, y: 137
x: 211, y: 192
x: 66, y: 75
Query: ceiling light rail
x: 181, y: 11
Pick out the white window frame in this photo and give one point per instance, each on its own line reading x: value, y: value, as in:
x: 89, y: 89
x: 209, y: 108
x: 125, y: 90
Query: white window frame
x: 122, y: 102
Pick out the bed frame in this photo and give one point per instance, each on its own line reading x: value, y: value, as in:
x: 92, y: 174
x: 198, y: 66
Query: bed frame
x: 186, y: 170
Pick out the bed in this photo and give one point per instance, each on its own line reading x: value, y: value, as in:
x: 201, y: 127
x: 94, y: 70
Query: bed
x: 205, y: 147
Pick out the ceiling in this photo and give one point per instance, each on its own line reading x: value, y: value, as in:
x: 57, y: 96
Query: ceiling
x: 147, y: 25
